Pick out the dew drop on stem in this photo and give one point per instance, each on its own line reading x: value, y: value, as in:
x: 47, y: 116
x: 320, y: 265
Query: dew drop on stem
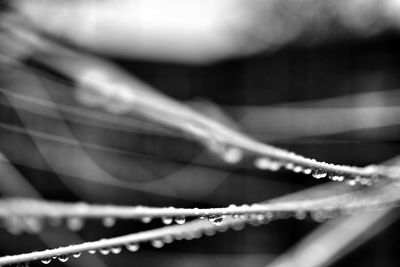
x: 92, y: 251
x: 146, y: 219
x: 300, y: 215
x: 232, y: 155
x: 336, y: 177
x: 215, y: 219
x: 75, y: 224
x: 167, y: 220
x: 318, y: 174
x: 108, y: 222
x: 307, y: 171
x: 351, y: 182
x: 157, y: 243
x: 76, y: 255
x: 132, y: 247
x: 104, y: 251
x: 180, y: 220
x: 267, y: 164
x: 298, y: 169
x: 63, y: 258
x: 116, y: 250
x: 46, y: 260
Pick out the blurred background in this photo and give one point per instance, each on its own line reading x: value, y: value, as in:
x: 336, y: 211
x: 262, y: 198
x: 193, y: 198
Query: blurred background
x: 316, y: 77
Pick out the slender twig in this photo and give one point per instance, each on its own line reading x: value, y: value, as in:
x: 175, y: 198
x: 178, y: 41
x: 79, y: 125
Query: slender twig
x: 115, y: 89
x: 340, y: 236
x: 372, y: 198
x: 175, y: 231
x: 188, y: 230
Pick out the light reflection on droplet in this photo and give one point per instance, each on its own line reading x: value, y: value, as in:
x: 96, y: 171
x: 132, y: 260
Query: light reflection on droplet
x: 116, y: 250
x: 146, y: 219
x: 180, y: 220
x: 75, y: 224
x: 318, y: 174
x: 215, y: 219
x: 46, y: 260
x: 157, y: 243
x: 167, y: 220
x: 104, y: 251
x: 133, y: 247
x: 77, y: 254
x: 232, y: 155
x: 63, y: 258
x: 109, y: 221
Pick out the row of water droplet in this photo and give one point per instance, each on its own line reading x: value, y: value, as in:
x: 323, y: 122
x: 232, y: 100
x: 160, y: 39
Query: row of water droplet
x: 233, y: 155
x: 76, y: 223
x: 252, y: 219
x: 33, y: 225
x: 273, y: 165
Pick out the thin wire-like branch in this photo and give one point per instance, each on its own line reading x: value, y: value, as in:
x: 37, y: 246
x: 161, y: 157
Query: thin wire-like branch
x: 196, y: 228
x: 376, y: 197
x: 145, y: 236
x: 188, y: 230
x: 338, y: 237
x: 115, y: 90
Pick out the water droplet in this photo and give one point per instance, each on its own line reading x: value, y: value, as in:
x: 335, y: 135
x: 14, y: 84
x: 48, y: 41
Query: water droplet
x: 358, y: 179
x: 255, y: 223
x: 108, y: 222
x: 132, y: 247
x: 298, y: 169
x: 167, y: 220
x: 232, y: 155
x: 157, y: 243
x: 63, y: 258
x: 259, y: 217
x: 307, y: 171
x: 267, y: 164
x: 318, y: 174
x: 46, y: 260
x: 92, y: 251
x: 222, y: 229
x: 76, y: 255
x: 180, y: 220
x: 319, y: 216
x: 146, y: 219
x: 104, y: 251
x: 32, y: 224
x: 238, y: 227
x: 351, y: 182
x: 269, y: 215
x: 337, y: 177
x: 289, y: 166
x: 54, y: 221
x: 116, y: 250
x: 300, y: 215
x: 75, y: 224
x: 215, y: 219
x: 366, y: 181
x: 168, y: 239
x: 209, y: 232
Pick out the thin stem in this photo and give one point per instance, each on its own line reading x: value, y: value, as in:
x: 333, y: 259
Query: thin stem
x: 114, y: 88
x: 197, y: 227
x: 375, y: 198
x: 145, y: 236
